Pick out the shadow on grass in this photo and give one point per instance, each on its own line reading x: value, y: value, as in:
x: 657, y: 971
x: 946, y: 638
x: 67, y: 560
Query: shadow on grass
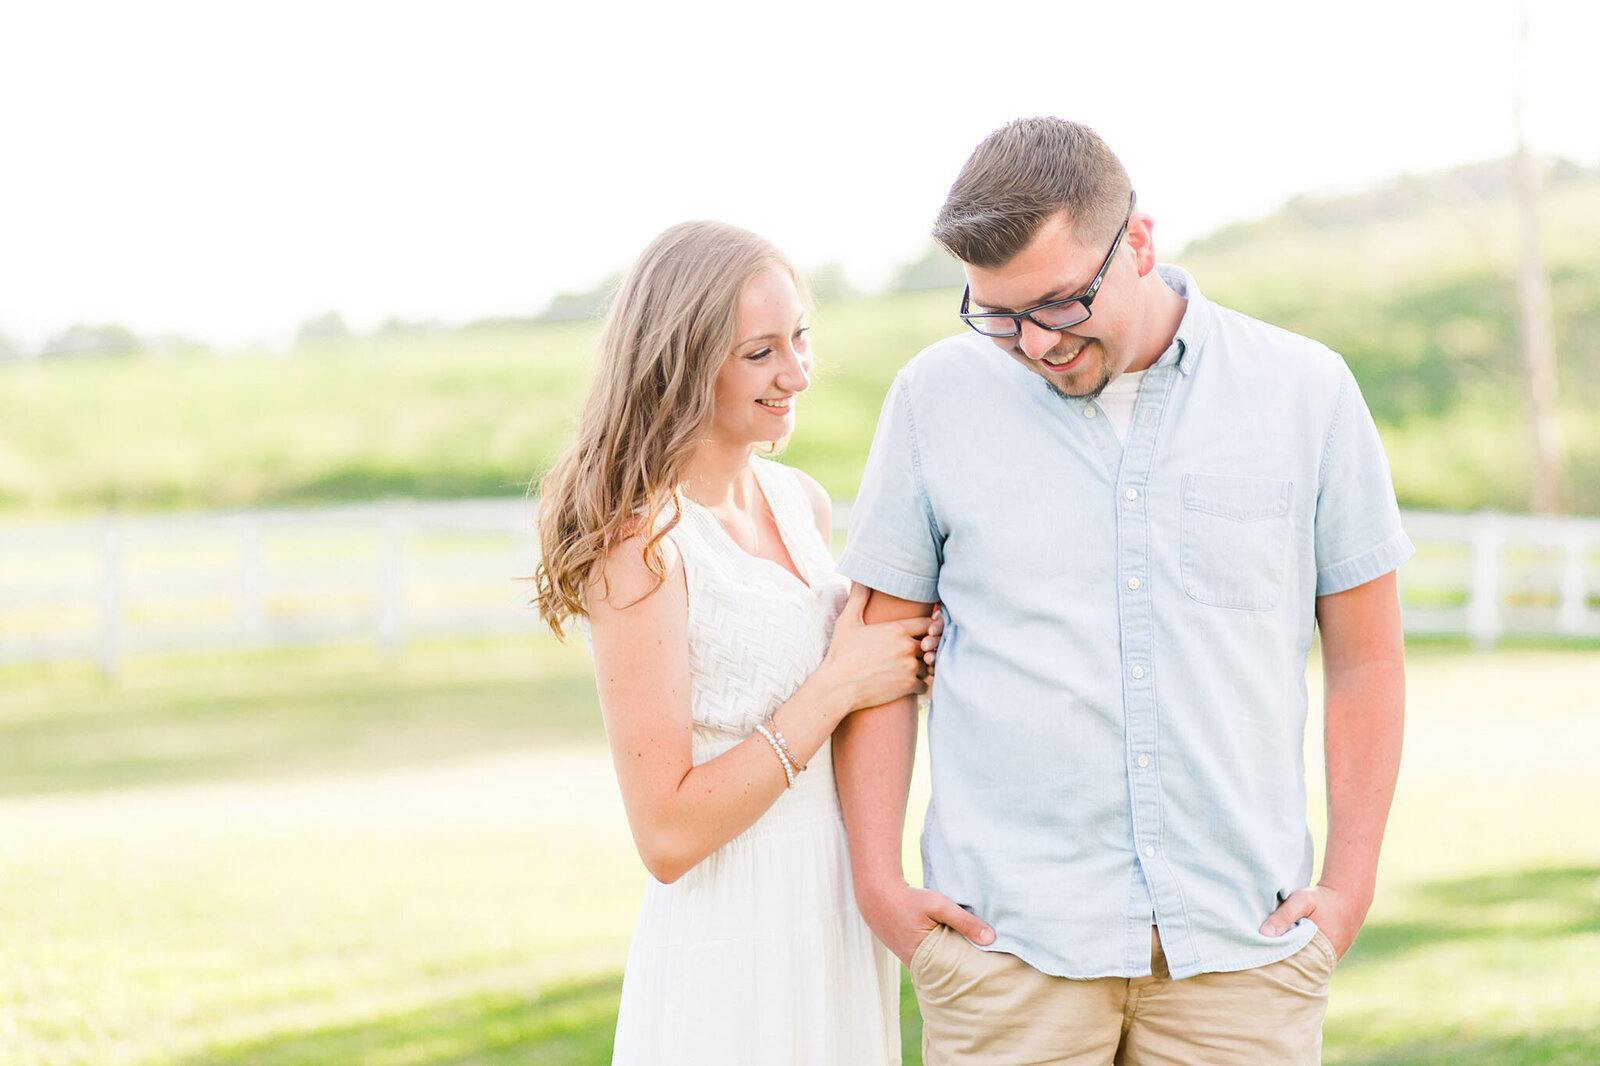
x: 275, y: 714
x: 570, y: 1025
x: 1564, y: 1047
x: 1529, y: 906
x: 1512, y: 916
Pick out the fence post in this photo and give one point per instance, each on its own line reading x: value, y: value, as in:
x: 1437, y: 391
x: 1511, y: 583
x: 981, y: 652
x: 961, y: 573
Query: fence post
x: 1573, y: 616
x: 393, y: 523
x: 1484, y: 623
x: 250, y: 613
x: 109, y: 650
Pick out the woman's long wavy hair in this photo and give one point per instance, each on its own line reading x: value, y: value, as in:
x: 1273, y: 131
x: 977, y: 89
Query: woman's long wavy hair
x: 669, y: 328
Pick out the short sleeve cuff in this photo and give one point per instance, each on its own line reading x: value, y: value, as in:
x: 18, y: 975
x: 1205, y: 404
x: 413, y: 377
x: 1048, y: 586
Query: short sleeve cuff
x: 1348, y: 573
x: 875, y: 575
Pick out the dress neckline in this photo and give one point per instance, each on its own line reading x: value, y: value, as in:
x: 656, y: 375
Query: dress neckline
x: 800, y: 571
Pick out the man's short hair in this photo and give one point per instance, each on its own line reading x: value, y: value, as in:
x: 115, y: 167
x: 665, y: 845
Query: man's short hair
x: 1020, y: 176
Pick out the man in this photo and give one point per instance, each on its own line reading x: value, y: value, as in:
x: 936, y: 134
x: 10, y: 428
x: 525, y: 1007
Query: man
x: 1136, y: 508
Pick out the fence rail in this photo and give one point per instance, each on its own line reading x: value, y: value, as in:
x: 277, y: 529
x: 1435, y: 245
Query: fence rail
x: 388, y: 572
x: 1487, y: 576
x: 399, y: 570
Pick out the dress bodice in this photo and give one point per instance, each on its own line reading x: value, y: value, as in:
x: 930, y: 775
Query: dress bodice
x: 756, y: 632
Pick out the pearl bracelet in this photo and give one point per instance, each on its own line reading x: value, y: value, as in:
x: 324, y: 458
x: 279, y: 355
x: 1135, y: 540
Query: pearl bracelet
x: 783, y: 745
x: 777, y: 749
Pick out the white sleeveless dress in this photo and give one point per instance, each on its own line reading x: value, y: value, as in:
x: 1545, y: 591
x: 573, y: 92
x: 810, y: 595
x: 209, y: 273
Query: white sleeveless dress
x: 757, y: 956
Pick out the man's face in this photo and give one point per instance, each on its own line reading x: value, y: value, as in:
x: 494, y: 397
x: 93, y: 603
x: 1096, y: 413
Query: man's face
x: 1080, y: 361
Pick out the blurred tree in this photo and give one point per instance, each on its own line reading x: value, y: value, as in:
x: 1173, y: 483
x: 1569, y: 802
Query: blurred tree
x: 9, y: 349
x: 571, y: 306
x: 399, y: 327
x: 173, y: 345
x: 497, y: 322
x: 1535, y: 317
x: 92, y: 340
x: 935, y: 269
x: 328, y: 326
x: 829, y: 282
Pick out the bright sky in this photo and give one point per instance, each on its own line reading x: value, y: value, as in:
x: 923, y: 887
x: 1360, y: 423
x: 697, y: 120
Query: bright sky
x: 227, y: 170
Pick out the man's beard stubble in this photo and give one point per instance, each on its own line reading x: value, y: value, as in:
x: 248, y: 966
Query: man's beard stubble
x: 1090, y: 395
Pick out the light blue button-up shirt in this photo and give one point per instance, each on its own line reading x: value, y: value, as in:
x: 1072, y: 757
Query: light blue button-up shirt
x: 1117, y: 723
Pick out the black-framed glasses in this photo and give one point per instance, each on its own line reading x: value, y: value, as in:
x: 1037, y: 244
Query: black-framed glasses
x: 1055, y: 314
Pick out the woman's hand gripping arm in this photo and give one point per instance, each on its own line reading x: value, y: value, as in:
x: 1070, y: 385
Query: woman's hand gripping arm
x: 680, y: 813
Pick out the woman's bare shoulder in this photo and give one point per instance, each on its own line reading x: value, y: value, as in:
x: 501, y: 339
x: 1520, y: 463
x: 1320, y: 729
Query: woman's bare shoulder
x: 821, y: 505
x: 624, y: 580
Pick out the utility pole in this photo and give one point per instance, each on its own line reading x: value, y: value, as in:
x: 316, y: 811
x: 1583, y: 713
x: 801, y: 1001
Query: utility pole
x: 1535, y: 325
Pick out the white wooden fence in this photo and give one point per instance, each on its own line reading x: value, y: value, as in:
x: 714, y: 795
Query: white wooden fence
x: 394, y: 571
x: 385, y: 572
x: 1487, y: 576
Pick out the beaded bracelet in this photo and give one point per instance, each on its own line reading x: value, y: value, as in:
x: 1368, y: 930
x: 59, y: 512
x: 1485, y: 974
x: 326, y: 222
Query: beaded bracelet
x: 799, y: 767
x: 777, y: 749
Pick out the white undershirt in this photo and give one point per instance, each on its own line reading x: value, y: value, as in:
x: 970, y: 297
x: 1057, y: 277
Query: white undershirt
x: 1117, y: 402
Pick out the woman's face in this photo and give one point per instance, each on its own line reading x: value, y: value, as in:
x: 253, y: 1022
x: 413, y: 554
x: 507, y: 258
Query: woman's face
x: 770, y: 364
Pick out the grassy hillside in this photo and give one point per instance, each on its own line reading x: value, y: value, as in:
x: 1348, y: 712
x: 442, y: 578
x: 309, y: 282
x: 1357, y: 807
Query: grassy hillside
x: 473, y: 412
x: 443, y: 415
x: 1410, y: 281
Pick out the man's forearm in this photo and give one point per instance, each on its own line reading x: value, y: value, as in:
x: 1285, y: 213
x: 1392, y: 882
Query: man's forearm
x: 1364, y: 723
x: 873, y: 752
x: 1363, y: 663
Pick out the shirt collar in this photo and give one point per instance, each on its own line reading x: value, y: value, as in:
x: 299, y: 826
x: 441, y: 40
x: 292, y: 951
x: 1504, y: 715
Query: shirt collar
x: 1187, y: 343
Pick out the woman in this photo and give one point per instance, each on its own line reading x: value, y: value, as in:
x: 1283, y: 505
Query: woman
x: 702, y: 573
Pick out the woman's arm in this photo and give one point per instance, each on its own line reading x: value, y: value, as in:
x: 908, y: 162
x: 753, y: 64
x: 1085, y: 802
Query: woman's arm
x: 680, y: 813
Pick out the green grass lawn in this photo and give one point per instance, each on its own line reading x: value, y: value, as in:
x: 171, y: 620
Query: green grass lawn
x: 327, y: 857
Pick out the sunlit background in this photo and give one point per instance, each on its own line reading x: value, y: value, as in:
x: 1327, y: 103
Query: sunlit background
x: 297, y: 302
x: 226, y: 171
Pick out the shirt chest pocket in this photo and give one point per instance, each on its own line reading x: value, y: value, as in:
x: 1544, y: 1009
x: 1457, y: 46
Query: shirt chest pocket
x: 1234, y: 540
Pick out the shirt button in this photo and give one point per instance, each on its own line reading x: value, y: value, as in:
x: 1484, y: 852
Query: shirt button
x: 1137, y: 672
x: 1090, y: 411
x: 1133, y: 583
x: 1149, y: 851
x: 1132, y: 494
x: 1144, y: 761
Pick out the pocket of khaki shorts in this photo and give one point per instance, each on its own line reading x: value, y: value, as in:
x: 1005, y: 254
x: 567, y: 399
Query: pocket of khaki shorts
x: 925, y: 948
x: 1329, y: 955
x: 1309, y: 970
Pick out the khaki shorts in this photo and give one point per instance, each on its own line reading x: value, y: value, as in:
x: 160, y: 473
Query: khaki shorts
x: 992, y: 1008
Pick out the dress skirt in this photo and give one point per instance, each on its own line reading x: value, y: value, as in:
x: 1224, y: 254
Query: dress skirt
x: 758, y: 957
